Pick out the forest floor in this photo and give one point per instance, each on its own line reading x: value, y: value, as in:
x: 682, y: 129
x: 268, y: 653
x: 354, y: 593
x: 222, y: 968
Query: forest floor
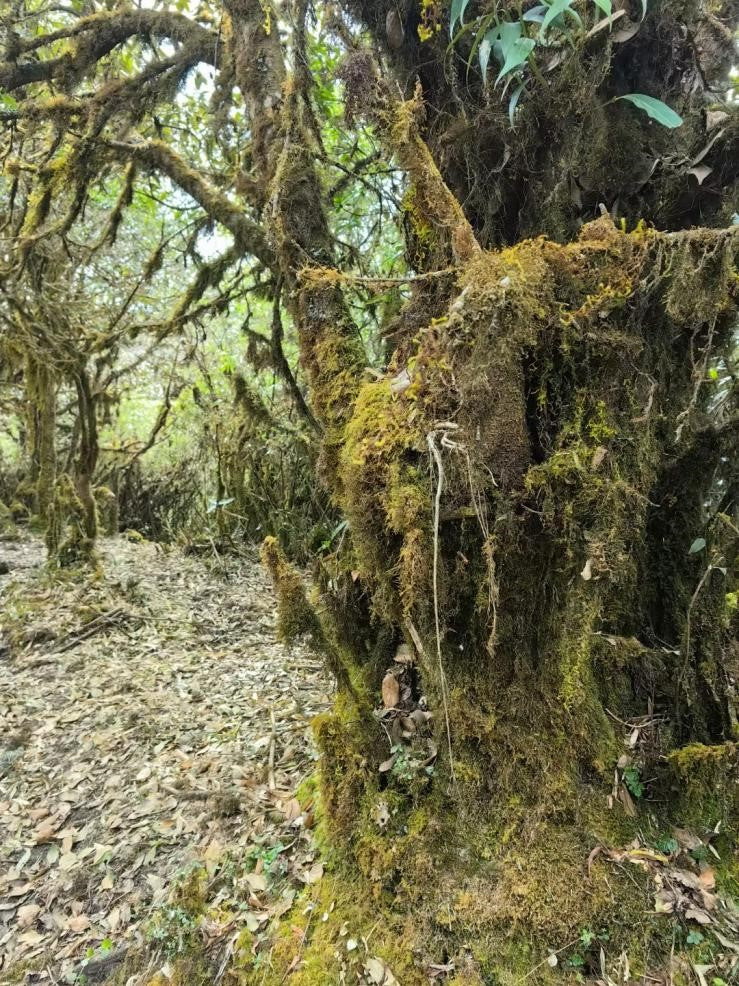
x: 153, y: 733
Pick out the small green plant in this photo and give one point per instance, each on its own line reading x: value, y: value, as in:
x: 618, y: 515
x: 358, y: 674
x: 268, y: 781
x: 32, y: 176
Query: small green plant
x: 515, y: 44
x: 667, y: 845
x: 633, y: 781
x: 694, y: 938
x: 174, y: 929
x: 273, y: 864
x: 407, y: 768
x: 80, y: 978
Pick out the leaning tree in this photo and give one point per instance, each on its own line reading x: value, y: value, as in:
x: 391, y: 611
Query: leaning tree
x: 529, y: 614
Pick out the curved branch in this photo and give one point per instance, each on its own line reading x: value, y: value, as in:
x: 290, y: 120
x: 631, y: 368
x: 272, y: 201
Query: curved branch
x: 99, y: 34
x: 158, y: 155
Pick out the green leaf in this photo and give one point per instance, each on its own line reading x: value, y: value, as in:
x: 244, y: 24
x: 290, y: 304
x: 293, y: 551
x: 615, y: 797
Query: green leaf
x: 654, y: 108
x: 479, y: 35
x: 633, y: 781
x: 514, y: 102
x: 515, y: 49
x: 536, y: 14
x: 555, y: 9
x: 457, y: 14
x: 605, y: 5
x: 486, y: 46
x: 697, y: 545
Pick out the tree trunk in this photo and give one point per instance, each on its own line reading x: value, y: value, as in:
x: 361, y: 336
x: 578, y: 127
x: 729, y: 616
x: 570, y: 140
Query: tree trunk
x: 41, y: 397
x: 530, y: 611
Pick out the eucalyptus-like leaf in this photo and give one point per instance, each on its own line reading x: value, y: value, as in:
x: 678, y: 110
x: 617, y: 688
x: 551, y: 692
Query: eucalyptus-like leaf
x: 605, y: 5
x: 516, y: 56
x: 655, y: 109
x: 535, y: 15
x: 484, y: 52
x: 514, y: 101
x: 457, y: 14
x: 556, y: 9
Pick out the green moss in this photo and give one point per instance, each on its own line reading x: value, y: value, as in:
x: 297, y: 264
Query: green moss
x: 67, y: 541
x: 296, y: 618
x: 707, y: 779
x: 547, y: 391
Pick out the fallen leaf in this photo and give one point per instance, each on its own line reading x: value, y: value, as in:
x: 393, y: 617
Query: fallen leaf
x: 701, y: 971
x: 256, y: 882
x: 696, y: 914
x: 700, y: 172
x: 390, y: 691
x: 27, y: 915
x: 598, y: 457
x: 67, y: 862
x: 707, y: 879
x: 44, y: 832
x: 79, y: 923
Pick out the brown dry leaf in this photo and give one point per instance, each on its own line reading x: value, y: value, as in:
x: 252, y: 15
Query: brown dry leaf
x: 686, y: 839
x: 701, y: 972
x: 627, y: 801
x: 44, y: 832
x: 20, y: 891
x: 379, y: 973
x: 697, y: 914
x: 113, y: 919
x: 707, y: 879
x: 664, y: 902
x: 27, y: 914
x: 700, y: 172
x: 212, y: 855
x: 256, y: 882
x: 625, y: 33
x: 78, y: 923
x: 686, y: 879
x: 390, y: 691
x: 67, y: 861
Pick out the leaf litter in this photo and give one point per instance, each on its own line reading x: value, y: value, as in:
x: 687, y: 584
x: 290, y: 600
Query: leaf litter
x: 151, y: 726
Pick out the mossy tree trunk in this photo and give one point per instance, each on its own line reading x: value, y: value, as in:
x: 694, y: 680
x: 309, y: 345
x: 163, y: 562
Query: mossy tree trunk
x: 88, y: 451
x: 540, y: 492
x: 41, y: 432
